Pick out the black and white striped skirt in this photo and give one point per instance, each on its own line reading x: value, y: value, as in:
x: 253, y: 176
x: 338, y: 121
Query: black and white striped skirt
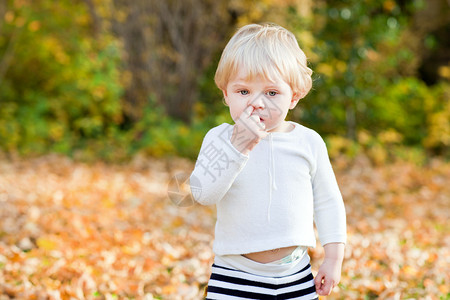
x: 233, y: 284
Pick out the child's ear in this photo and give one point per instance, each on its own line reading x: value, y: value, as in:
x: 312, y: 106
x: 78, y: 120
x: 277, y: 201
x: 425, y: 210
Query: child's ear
x: 295, y: 98
x: 225, y: 97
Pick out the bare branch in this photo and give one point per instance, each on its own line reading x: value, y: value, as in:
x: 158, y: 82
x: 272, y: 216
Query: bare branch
x: 96, y: 21
x: 9, y: 53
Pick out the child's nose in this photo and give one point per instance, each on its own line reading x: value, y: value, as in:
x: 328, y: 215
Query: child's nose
x: 258, y: 102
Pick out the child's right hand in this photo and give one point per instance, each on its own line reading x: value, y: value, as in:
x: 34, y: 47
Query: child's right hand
x: 248, y: 131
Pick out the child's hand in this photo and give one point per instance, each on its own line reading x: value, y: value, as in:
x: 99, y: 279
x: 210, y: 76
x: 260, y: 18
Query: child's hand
x: 328, y: 276
x: 248, y: 131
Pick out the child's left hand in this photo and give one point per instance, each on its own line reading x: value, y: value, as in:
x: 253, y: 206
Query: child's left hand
x: 328, y: 276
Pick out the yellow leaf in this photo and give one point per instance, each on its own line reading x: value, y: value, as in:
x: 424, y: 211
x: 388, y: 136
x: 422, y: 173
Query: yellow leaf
x: 9, y: 17
x: 443, y: 289
x: 34, y: 26
x: 409, y: 270
x: 325, y: 69
x: 169, y: 289
x: 46, y: 244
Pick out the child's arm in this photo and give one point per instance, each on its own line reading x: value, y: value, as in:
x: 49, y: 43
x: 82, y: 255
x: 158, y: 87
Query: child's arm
x: 330, y: 219
x: 223, y: 156
x: 329, y: 209
x: 329, y: 273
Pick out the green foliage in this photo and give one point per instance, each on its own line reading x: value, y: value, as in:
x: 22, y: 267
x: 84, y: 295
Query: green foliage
x: 365, y: 74
x: 158, y: 135
x: 348, y: 68
x: 62, y: 86
x: 410, y: 107
x: 62, y: 89
x: 384, y: 148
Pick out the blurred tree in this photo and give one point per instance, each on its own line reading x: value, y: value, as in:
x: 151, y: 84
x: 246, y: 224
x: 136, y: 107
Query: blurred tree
x: 101, y: 74
x: 9, y: 44
x: 57, y: 84
x: 168, y: 45
x: 366, y: 56
x: 431, y: 27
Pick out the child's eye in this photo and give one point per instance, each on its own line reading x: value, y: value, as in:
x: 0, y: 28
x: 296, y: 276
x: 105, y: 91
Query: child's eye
x: 243, y: 92
x: 272, y: 93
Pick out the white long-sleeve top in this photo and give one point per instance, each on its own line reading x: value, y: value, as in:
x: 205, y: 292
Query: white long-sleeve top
x: 270, y: 198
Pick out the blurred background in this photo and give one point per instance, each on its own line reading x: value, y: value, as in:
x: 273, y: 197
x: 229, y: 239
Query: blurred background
x: 112, y: 78
x: 103, y: 102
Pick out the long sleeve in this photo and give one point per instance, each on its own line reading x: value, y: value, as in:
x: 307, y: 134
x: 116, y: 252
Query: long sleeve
x: 329, y: 210
x: 218, y: 164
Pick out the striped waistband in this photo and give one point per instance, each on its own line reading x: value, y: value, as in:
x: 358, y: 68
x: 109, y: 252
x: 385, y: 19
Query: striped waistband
x: 231, y: 284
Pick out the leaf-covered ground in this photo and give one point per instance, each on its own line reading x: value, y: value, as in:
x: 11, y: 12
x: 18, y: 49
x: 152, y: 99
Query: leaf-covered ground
x: 77, y: 231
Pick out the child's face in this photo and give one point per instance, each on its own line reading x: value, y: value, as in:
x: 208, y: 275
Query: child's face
x: 271, y: 100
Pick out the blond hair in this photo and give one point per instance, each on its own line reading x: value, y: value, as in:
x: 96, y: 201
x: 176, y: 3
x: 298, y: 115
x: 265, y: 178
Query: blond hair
x: 266, y: 50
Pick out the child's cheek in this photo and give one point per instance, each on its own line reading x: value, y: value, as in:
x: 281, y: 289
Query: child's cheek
x: 234, y: 114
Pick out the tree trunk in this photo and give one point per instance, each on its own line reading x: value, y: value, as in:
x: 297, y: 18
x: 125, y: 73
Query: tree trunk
x: 168, y: 45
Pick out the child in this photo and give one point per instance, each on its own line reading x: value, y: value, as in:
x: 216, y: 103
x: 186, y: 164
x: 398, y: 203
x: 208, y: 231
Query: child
x: 268, y: 177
